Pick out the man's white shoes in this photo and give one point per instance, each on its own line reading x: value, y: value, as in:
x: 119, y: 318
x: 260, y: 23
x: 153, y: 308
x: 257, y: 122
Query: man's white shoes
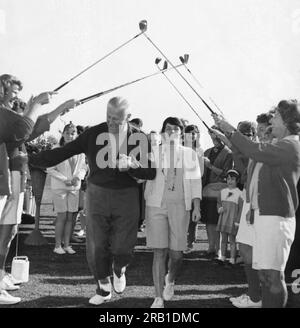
x: 98, y: 299
x: 7, y: 299
x: 168, y: 291
x: 119, y: 282
x: 105, y: 290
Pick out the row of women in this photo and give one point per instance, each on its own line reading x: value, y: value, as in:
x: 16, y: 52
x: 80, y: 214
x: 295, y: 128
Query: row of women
x: 19, y: 122
x: 249, y: 195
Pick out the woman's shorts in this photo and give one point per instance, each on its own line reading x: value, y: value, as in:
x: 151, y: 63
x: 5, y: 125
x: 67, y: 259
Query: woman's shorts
x: 65, y: 201
x: 273, y: 237
x: 167, y: 226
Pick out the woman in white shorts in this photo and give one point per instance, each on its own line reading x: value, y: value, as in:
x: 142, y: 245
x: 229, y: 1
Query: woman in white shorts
x: 169, y: 199
x: 65, y: 185
x: 272, y: 193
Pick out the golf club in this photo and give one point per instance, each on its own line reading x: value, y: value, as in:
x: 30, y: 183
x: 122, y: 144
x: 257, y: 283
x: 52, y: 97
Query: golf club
x: 184, y: 60
x: 143, y: 28
x: 163, y: 71
x: 84, y: 100
x: 144, y: 23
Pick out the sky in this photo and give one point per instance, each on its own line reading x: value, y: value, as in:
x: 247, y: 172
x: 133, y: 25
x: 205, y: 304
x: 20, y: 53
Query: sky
x: 244, y: 52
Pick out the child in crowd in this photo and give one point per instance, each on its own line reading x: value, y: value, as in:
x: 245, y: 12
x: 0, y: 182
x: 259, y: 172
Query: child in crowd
x: 229, y: 206
x: 65, y: 185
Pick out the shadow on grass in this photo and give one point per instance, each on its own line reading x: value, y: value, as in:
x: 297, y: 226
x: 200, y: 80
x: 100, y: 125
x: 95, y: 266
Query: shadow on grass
x: 52, y: 302
x: 126, y: 302
x: 71, y: 281
x: 194, y: 270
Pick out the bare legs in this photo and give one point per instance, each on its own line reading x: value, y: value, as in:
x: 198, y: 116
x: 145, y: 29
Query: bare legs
x: 63, y: 228
x: 159, y: 268
x: 7, y: 234
x: 254, y: 288
x: 274, y: 290
x: 224, y: 241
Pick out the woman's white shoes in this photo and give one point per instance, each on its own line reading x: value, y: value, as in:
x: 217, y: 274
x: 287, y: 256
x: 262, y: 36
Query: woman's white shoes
x: 158, y: 303
x: 66, y: 250
x: 69, y: 250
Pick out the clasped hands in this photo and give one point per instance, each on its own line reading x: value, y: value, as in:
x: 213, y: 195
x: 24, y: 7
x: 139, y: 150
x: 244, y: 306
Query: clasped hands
x: 74, y: 182
x: 127, y: 162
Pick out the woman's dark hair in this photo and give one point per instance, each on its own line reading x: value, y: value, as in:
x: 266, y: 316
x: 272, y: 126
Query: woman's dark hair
x: 191, y: 128
x: 80, y: 129
x: 264, y: 118
x: 66, y: 127
x: 247, y: 128
x: 173, y: 121
x: 290, y: 114
x: 137, y: 121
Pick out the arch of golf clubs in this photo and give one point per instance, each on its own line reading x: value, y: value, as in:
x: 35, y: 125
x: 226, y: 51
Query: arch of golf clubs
x: 183, y: 59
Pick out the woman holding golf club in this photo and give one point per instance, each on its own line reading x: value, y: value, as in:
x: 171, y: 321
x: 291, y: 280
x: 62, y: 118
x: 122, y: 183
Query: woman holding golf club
x: 169, y: 198
x: 272, y: 194
x: 15, y: 129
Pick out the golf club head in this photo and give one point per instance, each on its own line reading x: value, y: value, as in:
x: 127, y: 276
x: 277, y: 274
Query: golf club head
x: 181, y: 59
x: 157, y: 60
x: 143, y: 25
x: 165, y: 65
x: 186, y: 58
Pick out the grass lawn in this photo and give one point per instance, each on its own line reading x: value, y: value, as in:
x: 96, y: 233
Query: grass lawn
x: 64, y: 281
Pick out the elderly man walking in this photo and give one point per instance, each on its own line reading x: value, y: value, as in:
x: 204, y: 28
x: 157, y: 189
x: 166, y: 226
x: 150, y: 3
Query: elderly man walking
x: 112, y: 192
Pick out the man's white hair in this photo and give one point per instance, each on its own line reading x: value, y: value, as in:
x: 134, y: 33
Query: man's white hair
x: 118, y: 102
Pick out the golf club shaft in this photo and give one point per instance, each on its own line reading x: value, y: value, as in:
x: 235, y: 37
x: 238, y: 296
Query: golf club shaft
x: 84, y: 100
x: 98, y: 61
x: 201, y: 86
x: 186, y: 81
x: 183, y: 97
